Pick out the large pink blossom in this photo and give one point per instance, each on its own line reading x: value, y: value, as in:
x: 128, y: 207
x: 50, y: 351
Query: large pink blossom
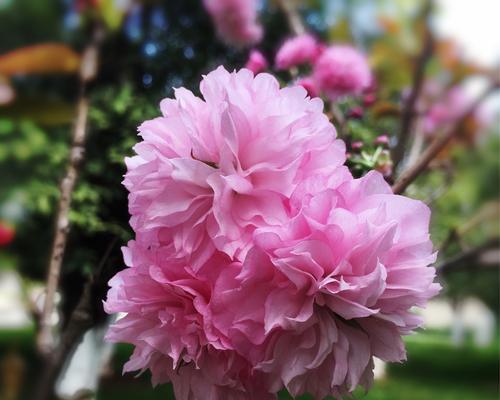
x: 342, y: 70
x: 336, y: 284
x: 298, y: 50
x: 165, y: 302
x: 235, y: 21
x: 209, y: 172
x: 259, y: 262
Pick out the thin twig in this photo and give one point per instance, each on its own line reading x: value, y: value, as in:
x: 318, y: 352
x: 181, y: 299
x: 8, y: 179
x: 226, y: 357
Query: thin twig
x: 81, y: 320
x: 293, y: 17
x: 45, y: 339
x: 339, y: 119
x: 438, y: 144
x: 417, y: 145
x: 409, y: 111
x: 469, y: 258
x: 488, y: 212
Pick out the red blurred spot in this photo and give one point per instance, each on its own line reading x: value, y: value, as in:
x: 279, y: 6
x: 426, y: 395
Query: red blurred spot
x: 355, y: 112
x: 7, y: 234
x: 82, y: 5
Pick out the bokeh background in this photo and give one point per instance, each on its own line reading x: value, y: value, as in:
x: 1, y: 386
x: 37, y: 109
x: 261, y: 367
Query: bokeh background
x: 148, y: 47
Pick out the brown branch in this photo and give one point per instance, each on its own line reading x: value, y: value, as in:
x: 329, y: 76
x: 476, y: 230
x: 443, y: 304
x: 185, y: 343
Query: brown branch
x: 45, y: 339
x: 81, y: 320
x: 409, y: 111
x: 293, y: 17
x: 467, y: 259
x: 438, y: 144
x: 339, y: 119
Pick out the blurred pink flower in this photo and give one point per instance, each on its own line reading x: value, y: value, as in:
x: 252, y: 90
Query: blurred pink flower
x: 445, y: 110
x: 356, y: 112
x: 296, y: 51
x: 369, y: 99
x: 256, y: 62
x: 259, y: 261
x: 7, y: 93
x: 382, y: 140
x: 357, y: 145
x: 309, y: 85
x: 342, y: 71
x: 235, y: 21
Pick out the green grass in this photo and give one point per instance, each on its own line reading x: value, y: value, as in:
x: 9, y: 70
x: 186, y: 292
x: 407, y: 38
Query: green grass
x: 435, y: 370
x: 415, y: 388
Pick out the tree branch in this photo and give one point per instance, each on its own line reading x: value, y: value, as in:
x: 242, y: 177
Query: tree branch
x: 81, y: 320
x: 438, y: 144
x: 45, y: 339
x: 409, y: 111
x: 293, y: 17
x: 467, y: 259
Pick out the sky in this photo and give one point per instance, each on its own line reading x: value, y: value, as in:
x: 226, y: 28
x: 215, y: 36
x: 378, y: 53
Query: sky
x: 476, y: 27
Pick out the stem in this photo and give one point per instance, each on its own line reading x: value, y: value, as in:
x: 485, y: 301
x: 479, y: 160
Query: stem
x: 409, y: 111
x: 45, y: 338
x: 81, y: 320
x: 339, y: 119
x: 417, y: 146
x: 293, y: 17
x: 469, y: 259
x: 438, y: 144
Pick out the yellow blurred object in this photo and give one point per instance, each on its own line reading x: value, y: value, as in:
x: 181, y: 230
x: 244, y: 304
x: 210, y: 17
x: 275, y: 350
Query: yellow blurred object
x: 113, y: 12
x: 385, y: 109
x: 41, y: 110
x: 47, y: 58
x: 390, y: 25
x: 12, y: 372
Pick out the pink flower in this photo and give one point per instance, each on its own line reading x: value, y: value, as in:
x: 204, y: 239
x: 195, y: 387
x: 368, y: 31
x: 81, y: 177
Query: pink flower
x: 342, y: 71
x: 235, y: 21
x: 7, y: 93
x: 166, y: 320
x: 357, y: 145
x: 209, y: 172
x: 355, y: 112
x: 256, y: 62
x: 369, y: 99
x: 296, y: 51
x: 445, y: 110
x: 382, y: 140
x: 309, y: 85
x: 259, y: 262
x: 323, y: 294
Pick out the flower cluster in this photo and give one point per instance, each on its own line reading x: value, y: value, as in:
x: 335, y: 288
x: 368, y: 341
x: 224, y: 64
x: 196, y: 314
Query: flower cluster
x: 337, y: 70
x: 342, y: 70
x: 235, y: 21
x: 259, y: 262
x: 302, y: 49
